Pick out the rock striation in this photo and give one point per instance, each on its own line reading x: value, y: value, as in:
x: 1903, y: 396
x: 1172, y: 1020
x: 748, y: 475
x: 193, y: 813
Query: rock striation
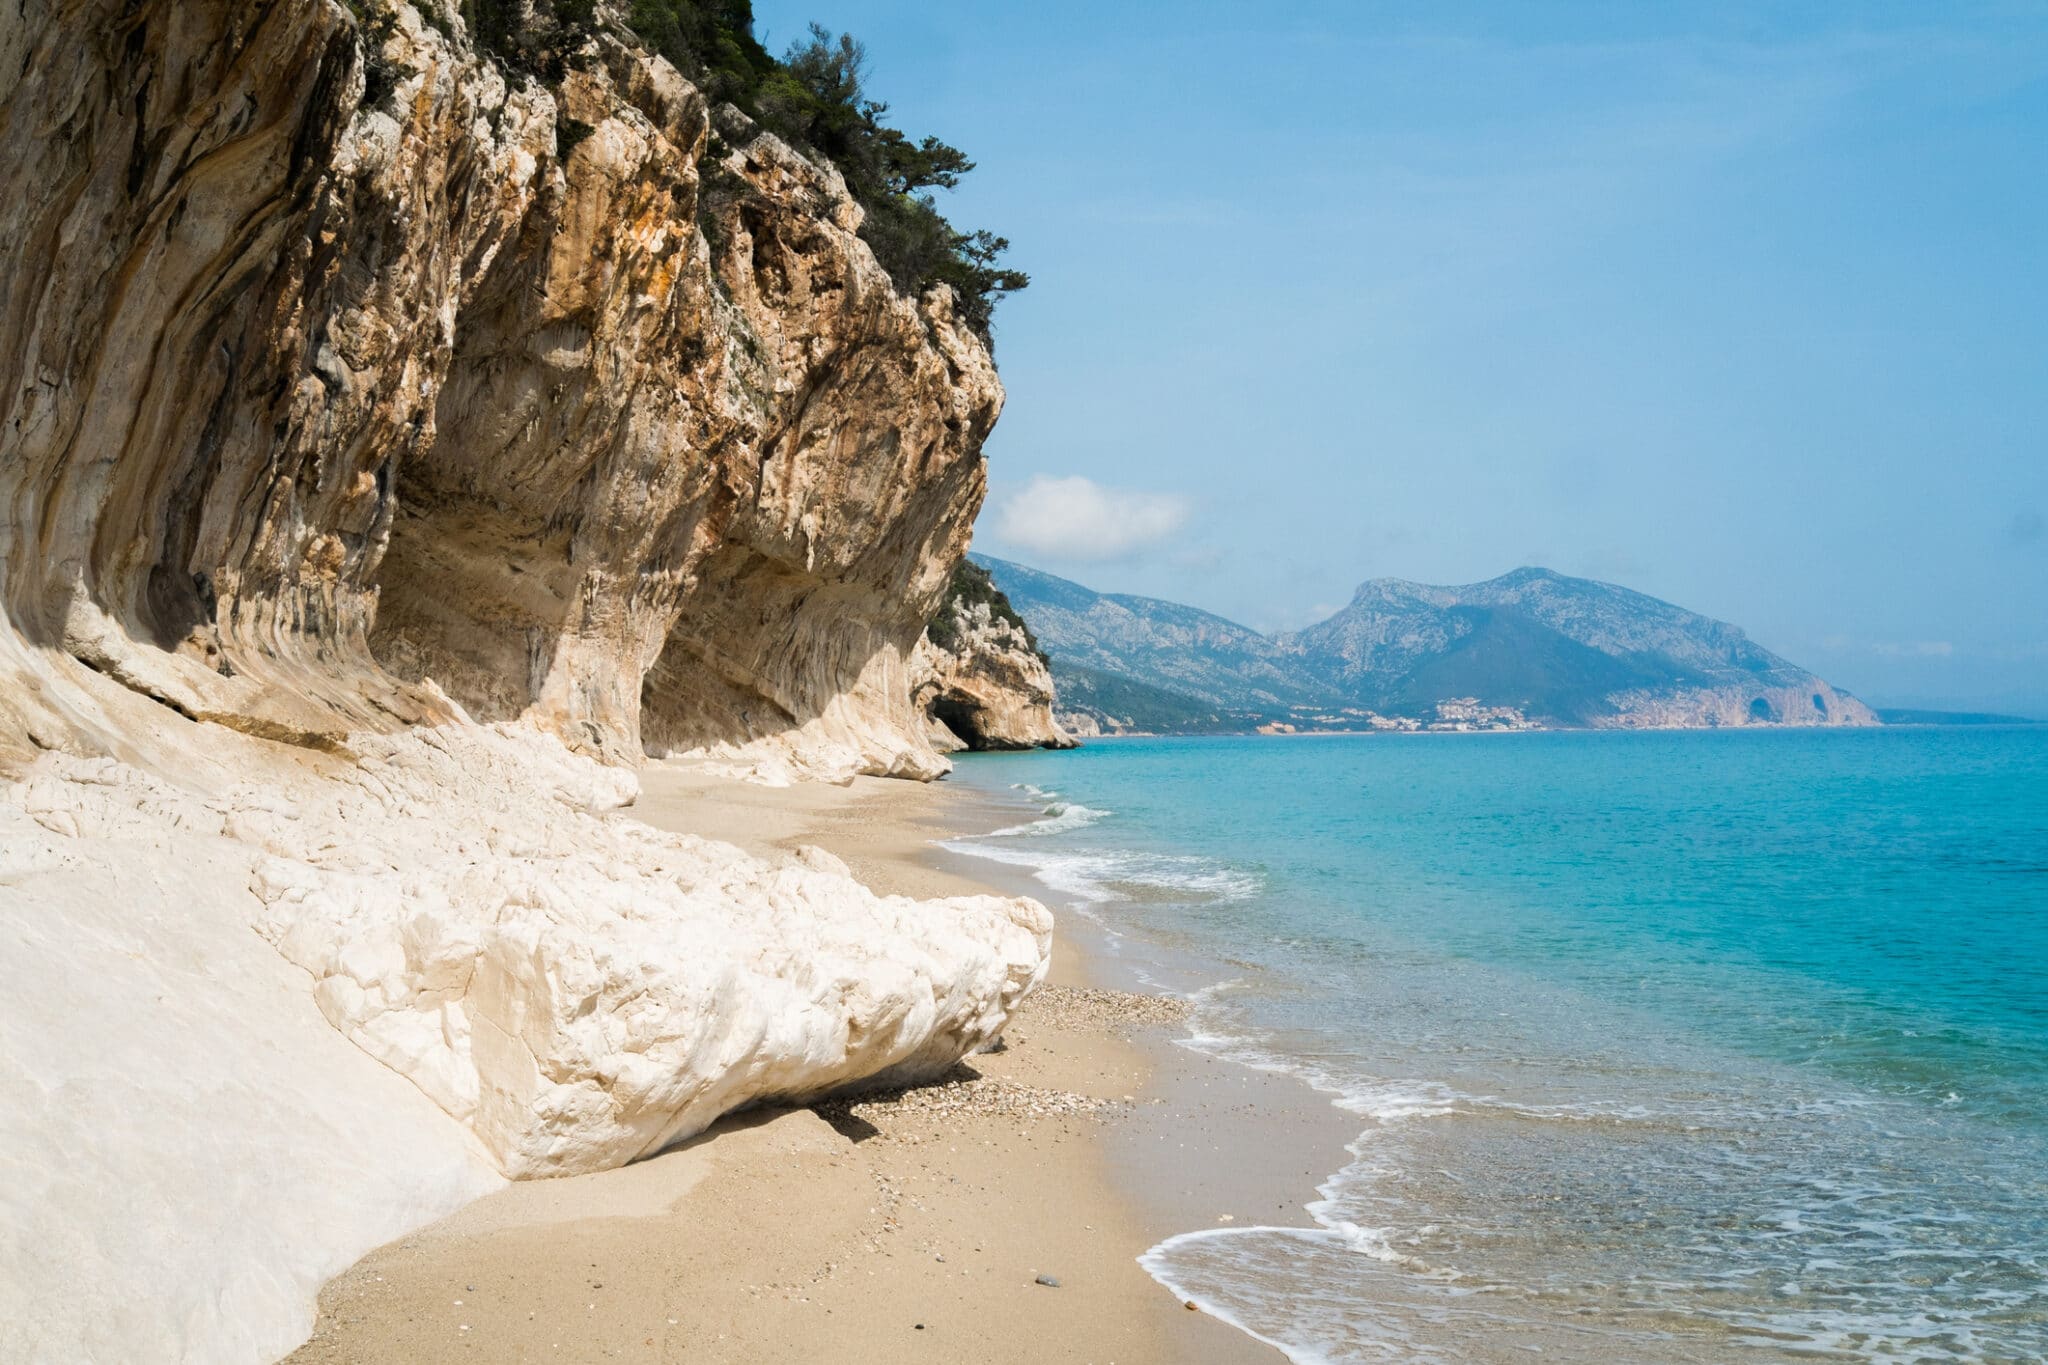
x: 348, y: 383
x: 979, y: 677
x: 394, y: 449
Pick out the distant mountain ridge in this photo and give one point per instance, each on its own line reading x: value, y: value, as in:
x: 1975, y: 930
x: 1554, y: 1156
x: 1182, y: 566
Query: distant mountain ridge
x: 1530, y: 648
x: 1199, y: 657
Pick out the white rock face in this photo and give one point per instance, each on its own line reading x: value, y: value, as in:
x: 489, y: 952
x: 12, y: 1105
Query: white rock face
x: 192, y: 1150
x: 346, y: 387
x: 187, y: 1149
x: 583, y: 991
x: 988, y: 689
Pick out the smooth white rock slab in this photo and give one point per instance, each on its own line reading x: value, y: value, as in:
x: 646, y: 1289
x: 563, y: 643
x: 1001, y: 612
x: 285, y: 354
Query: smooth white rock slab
x: 195, y: 1128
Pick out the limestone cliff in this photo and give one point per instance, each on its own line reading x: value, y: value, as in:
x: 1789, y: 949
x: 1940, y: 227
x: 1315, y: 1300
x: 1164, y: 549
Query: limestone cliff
x: 395, y: 447
x: 348, y: 383
x: 979, y: 677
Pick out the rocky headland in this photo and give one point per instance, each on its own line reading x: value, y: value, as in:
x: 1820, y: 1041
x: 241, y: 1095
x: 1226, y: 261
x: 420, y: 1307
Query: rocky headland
x: 980, y: 676
x: 398, y: 441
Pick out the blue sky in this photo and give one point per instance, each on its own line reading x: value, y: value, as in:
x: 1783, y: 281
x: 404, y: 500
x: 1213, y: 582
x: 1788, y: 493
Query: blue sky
x: 1744, y: 306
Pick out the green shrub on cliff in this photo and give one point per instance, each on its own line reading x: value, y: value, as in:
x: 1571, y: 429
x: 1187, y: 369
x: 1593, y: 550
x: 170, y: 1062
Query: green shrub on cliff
x: 530, y: 36
x: 972, y: 586
x: 816, y: 98
x: 711, y: 41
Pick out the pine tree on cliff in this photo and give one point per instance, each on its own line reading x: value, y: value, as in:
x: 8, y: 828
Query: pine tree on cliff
x: 816, y: 98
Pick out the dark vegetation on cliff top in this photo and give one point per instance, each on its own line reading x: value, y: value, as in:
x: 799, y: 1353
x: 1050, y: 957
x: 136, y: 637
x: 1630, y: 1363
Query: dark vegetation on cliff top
x: 970, y: 586
x: 814, y: 97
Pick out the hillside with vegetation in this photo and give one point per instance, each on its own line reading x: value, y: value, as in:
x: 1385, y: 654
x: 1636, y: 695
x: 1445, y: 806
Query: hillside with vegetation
x: 1529, y: 649
x: 1189, y: 662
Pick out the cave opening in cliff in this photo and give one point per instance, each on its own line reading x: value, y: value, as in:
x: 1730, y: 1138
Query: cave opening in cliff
x: 962, y: 718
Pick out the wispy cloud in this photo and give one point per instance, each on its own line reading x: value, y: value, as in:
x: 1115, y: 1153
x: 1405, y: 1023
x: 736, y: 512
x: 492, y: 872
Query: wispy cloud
x: 1076, y: 518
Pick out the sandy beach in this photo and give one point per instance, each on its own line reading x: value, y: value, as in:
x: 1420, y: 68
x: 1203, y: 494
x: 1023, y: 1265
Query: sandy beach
x: 994, y: 1217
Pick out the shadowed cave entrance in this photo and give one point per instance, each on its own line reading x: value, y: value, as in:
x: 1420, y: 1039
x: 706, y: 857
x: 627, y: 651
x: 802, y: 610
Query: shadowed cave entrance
x: 963, y: 719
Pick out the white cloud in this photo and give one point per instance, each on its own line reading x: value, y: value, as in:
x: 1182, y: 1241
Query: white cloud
x: 1077, y: 518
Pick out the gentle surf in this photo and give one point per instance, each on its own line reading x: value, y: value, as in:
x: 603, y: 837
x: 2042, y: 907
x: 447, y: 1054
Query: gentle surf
x: 1661, y: 1045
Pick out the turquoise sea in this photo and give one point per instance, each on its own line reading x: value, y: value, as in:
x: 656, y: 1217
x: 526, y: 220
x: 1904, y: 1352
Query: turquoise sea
x: 1667, y: 1046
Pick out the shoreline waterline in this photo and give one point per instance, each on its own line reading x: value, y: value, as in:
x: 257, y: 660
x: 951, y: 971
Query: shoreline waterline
x: 784, y: 1234
x: 1279, y: 1122
x: 1605, y: 1104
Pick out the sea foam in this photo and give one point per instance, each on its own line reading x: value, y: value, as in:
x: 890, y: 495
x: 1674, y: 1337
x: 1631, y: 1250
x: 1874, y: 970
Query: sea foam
x: 1661, y: 1047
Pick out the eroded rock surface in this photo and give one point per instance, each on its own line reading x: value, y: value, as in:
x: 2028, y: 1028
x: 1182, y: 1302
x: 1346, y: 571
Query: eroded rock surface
x: 979, y: 677
x: 193, y: 1151
x: 476, y: 395
x: 392, y: 451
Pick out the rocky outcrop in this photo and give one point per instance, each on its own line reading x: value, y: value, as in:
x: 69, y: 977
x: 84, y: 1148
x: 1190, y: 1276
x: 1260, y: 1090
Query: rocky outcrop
x: 393, y: 450
x: 193, y: 1149
x: 1799, y: 700
x: 1079, y: 724
x: 579, y: 990
x: 348, y: 384
x: 978, y: 676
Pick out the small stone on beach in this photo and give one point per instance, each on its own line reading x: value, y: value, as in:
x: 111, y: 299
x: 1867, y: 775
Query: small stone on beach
x: 1049, y: 1281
